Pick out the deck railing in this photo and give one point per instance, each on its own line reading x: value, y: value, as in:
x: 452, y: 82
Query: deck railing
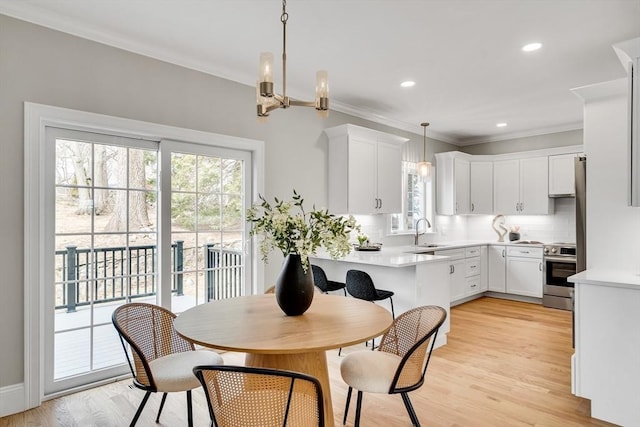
x: 119, y: 273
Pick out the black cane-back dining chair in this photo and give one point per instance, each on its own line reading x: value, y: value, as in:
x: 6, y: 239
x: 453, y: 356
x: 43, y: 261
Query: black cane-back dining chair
x: 325, y: 285
x: 162, y: 359
x: 400, y: 364
x: 260, y: 397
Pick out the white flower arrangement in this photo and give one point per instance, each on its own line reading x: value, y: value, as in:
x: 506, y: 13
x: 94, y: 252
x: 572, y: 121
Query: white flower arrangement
x: 300, y: 233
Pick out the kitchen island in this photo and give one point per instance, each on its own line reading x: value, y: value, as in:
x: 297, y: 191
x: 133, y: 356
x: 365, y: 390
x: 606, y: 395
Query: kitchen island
x: 415, y: 279
x: 606, y: 363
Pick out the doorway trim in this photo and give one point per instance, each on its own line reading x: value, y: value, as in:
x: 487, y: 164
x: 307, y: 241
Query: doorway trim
x: 36, y: 118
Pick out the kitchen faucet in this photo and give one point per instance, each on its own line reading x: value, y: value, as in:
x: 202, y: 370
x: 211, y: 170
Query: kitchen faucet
x: 415, y: 242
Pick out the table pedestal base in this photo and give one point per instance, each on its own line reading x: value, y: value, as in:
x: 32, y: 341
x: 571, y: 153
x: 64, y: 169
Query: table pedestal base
x: 312, y: 363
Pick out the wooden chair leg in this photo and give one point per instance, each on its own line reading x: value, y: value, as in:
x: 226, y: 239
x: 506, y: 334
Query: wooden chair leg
x: 164, y: 397
x: 410, y: 410
x: 346, y: 407
x: 140, y: 408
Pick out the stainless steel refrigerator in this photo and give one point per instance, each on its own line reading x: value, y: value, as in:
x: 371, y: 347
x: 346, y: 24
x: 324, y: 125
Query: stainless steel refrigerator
x: 581, y: 213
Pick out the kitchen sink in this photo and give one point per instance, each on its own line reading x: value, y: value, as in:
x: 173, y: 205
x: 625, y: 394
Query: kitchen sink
x: 527, y: 242
x: 421, y: 251
x: 426, y: 249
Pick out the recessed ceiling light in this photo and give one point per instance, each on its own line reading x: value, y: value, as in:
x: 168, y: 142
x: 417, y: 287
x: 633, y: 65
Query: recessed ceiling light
x: 501, y: 125
x: 408, y: 83
x: 531, y: 47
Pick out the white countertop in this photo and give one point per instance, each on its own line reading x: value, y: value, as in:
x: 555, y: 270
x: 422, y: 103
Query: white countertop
x: 604, y: 277
x: 401, y: 256
x: 391, y: 256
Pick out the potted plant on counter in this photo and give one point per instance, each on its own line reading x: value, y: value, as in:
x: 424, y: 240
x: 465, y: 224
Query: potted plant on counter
x: 298, y: 234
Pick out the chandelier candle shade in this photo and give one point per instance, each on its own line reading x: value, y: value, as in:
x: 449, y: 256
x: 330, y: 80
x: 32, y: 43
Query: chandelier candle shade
x: 267, y: 99
x: 424, y: 167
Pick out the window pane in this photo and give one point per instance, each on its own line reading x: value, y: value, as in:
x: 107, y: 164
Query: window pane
x: 183, y: 172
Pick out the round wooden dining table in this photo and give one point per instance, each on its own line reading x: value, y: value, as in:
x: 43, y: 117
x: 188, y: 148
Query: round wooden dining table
x: 256, y: 326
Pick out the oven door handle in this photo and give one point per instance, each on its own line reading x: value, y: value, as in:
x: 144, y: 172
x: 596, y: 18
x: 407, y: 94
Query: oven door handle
x: 560, y: 259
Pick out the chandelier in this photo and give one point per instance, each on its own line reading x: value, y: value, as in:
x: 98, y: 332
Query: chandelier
x: 267, y: 99
x: 424, y: 167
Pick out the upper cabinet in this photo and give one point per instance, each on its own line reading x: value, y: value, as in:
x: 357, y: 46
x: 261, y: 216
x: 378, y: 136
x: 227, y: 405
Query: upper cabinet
x: 562, y: 175
x: 452, y: 194
x: 481, y: 187
x: 629, y: 54
x: 521, y: 186
x: 365, y: 170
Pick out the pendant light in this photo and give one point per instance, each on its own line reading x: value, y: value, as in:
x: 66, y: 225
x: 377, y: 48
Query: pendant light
x: 424, y: 167
x: 267, y: 99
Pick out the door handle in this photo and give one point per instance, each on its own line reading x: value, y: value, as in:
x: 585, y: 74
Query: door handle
x: 451, y: 269
x: 473, y: 207
x: 540, y: 266
x: 380, y: 203
x: 503, y: 253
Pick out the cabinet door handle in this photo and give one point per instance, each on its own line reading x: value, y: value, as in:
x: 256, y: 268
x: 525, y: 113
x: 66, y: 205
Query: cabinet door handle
x: 451, y: 269
x: 380, y: 203
x: 473, y: 207
x: 517, y: 207
x: 503, y: 253
x: 521, y: 206
x: 540, y: 266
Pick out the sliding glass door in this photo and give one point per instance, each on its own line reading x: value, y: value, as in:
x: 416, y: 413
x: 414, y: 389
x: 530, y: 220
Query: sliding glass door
x: 134, y: 220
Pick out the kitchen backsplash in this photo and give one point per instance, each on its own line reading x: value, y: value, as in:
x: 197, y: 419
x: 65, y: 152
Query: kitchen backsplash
x: 559, y: 227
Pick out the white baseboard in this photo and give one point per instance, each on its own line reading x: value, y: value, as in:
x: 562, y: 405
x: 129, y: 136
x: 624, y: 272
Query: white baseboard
x: 12, y: 399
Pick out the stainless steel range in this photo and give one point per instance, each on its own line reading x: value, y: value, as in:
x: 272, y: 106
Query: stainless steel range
x: 559, y: 262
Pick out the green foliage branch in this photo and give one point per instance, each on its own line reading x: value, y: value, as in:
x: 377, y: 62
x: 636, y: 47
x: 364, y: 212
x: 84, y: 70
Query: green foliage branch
x: 299, y: 232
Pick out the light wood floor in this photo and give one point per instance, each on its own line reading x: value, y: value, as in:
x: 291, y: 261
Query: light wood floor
x: 506, y: 364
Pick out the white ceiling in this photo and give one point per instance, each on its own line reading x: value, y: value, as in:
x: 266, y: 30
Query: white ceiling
x: 463, y: 54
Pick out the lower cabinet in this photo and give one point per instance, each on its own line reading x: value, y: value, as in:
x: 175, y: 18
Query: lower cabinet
x: 524, y: 271
x: 465, y: 272
x: 497, y: 266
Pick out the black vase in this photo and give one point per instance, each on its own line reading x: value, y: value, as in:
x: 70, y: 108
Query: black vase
x: 294, y: 286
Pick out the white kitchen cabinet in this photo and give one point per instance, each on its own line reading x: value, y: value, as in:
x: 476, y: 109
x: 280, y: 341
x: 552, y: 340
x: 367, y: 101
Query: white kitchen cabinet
x: 452, y: 195
x: 628, y: 52
x: 524, y: 271
x: 465, y: 271
x: 497, y: 266
x: 562, y: 175
x: 365, y: 171
x: 472, y: 276
x: 484, y: 269
x: 481, y: 187
x: 457, y: 272
x: 521, y: 186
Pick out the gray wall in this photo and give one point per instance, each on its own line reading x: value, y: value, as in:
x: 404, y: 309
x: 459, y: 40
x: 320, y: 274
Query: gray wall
x: 538, y: 142
x: 48, y: 67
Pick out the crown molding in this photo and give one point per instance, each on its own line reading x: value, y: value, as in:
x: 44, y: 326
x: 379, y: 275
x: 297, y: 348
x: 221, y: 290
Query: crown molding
x: 383, y: 120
